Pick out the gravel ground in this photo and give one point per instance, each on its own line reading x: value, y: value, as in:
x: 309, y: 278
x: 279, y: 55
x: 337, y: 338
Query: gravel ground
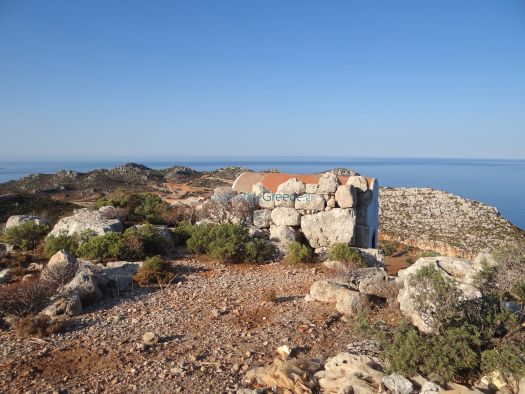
x: 213, y: 325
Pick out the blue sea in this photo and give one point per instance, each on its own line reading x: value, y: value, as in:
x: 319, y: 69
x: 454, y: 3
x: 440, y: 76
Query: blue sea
x: 500, y: 183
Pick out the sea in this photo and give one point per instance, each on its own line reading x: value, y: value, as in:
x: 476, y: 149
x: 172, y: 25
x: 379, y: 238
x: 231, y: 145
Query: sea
x: 500, y: 183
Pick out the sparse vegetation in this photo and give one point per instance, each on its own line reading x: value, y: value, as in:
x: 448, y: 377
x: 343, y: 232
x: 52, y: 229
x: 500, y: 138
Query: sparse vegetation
x: 107, y: 246
x: 346, y: 254
x: 26, y: 235
x: 228, y: 242
x: 298, y: 253
x: 38, y: 326
x: 25, y: 298
x: 64, y: 242
x: 154, y: 271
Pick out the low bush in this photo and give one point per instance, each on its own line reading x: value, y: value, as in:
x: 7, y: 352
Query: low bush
x: 140, y: 206
x: 428, y: 253
x: 55, y: 243
x: 153, y: 242
x: 107, y: 246
x: 182, y: 232
x: 388, y: 248
x: 38, y: 326
x: 409, y: 260
x: 411, y: 352
x: 154, y: 271
x: 26, y: 235
x: 228, y: 242
x: 343, y: 252
x: 25, y: 298
x: 298, y: 253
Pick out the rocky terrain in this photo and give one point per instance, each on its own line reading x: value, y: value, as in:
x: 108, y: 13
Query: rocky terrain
x: 425, y: 218
x: 442, y: 222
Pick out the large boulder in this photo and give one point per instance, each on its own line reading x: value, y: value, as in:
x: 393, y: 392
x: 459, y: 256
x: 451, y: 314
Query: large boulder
x: 328, y: 227
x: 60, y: 268
x: 292, y: 186
x: 346, y: 196
x: 286, y: 217
x: 262, y: 218
x: 372, y: 281
x: 347, y: 300
x: 310, y: 202
x: 86, y: 219
x: 121, y: 273
x: 89, y: 283
x: 64, y: 305
x: 328, y: 183
x: 461, y: 272
x: 17, y: 220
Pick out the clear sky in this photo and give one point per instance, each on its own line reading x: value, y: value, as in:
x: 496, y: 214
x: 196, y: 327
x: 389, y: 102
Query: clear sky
x: 168, y: 79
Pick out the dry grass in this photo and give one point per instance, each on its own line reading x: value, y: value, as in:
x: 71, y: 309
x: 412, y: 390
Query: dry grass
x: 37, y: 326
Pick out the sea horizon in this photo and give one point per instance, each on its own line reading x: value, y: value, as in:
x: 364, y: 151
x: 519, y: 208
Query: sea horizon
x: 482, y: 180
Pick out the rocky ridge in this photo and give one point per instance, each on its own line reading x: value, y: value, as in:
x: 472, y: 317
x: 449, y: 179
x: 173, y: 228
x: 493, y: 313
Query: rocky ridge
x: 442, y: 222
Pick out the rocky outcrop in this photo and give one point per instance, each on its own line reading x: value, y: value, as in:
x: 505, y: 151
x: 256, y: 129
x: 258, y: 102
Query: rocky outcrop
x: 461, y: 272
x: 17, y: 220
x: 443, y: 222
x: 87, y: 219
x: 60, y: 268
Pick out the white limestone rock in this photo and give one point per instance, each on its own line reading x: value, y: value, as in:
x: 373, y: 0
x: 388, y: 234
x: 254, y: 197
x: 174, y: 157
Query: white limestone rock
x: 327, y: 227
x: 310, y: 202
x: 346, y: 196
x: 450, y: 267
x: 292, y: 186
x: 17, y: 220
x: 328, y: 183
x: 398, y: 384
x: 266, y: 201
x: 286, y: 217
x: 86, y: 219
x: 311, y: 188
x: 285, y: 200
x: 358, y: 182
x: 60, y: 268
x: 259, y: 189
x: 282, y: 234
x: 262, y: 218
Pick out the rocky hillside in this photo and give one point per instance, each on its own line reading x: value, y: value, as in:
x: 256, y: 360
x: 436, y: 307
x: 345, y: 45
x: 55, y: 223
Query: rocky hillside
x: 442, y: 222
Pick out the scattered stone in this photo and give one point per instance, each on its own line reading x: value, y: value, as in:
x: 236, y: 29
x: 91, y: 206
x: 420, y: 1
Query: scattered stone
x: 150, y: 338
x: 398, y: 384
x: 66, y: 305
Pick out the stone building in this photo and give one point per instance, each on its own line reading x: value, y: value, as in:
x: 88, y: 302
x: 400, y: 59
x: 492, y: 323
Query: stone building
x: 324, y: 208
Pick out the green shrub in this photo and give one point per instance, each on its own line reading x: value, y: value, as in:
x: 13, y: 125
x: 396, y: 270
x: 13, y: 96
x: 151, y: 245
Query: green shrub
x: 55, y: 243
x: 26, y: 235
x: 107, y: 246
x: 449, y: 355
x: 154, y: 271
x: 153, y: 242
x: 298, y: 253
x: 409, y: 260
x: 507, y: 359
x: 388, y: 248
x: 344, y: 253
x: 428, y: 253
x: 155, y: 263
x: 142, y: 206
x: 228, y: 242
x: 182, y: 232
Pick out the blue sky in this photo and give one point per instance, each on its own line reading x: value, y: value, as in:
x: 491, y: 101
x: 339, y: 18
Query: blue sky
x: 172, y: 79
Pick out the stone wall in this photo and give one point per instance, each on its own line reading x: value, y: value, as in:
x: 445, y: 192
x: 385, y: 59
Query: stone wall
x: 324, y: 213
